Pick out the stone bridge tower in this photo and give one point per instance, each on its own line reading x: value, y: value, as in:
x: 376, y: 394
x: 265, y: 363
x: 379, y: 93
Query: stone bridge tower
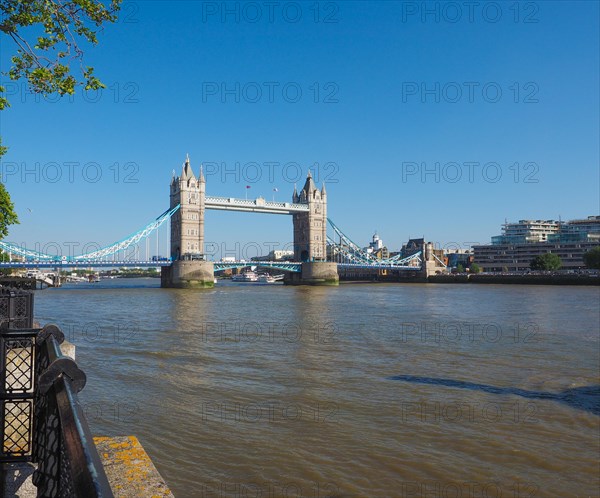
x: 310, y: 228
x: 310, y: 238
x: 187, y: 224
x: 187, y: 233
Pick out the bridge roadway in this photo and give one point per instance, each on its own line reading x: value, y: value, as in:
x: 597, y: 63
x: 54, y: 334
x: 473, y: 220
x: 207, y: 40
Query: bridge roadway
x: 82, y: 264
x: 218, y: 265
x: 69, y: 263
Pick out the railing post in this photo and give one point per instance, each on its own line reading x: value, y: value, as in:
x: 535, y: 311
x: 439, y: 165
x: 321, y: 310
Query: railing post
x: 17, y: 387
x: 16, y: 308
x: 17, y: 376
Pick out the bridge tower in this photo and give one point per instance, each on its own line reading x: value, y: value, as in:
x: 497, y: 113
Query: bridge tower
x: 189, y: 269
x: 310, y: 237
x: 187, y: 224
x: 310, y: 228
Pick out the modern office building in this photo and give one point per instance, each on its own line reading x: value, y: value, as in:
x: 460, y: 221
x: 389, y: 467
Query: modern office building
x: 526, y: 231
x: 521, y: 242
x: 585, y: 230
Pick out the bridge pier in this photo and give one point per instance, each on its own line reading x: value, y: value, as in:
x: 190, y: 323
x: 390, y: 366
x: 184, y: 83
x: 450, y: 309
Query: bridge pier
x: 315, y: 273
x: 188, y: 275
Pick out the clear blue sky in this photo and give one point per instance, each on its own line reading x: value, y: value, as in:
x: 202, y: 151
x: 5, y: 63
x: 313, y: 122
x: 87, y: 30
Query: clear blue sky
x: 167, y: 63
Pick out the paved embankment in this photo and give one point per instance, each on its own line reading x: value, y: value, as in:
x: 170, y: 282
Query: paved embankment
x: 129, y: 469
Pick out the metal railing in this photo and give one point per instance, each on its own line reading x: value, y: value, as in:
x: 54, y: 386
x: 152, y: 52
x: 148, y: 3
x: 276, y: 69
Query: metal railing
x: 41, y: 419
x: 63, y: 446
x: 17, y: 389
x: 16, y: 309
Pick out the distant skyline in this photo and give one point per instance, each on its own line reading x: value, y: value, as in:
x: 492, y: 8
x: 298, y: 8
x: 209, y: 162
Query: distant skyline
x: 442, y: 122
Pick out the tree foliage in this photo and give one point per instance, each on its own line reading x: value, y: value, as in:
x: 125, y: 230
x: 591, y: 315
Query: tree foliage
x: 48, y: 35
x: 592, y: 258
x: 474, y: 268
x: 7, y: 212
x: 546, y: 262
x: 5, y: 271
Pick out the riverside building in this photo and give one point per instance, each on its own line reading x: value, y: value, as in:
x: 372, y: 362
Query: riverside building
x: 521, y: 242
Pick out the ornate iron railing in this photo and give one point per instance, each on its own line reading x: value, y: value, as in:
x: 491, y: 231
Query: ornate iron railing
x: 16, y: 309
x: 41, y: 419
x: 17, y: 389
x: 63, y: 447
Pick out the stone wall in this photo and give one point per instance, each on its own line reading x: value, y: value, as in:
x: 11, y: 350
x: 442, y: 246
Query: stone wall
x: 188, y: 275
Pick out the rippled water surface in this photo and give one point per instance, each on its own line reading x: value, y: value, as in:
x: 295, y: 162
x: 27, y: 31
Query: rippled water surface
x: 361, y: 390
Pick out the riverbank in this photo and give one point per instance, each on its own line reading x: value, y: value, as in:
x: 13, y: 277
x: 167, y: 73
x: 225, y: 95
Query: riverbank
x: 480, y: 278
x: 515, y: 279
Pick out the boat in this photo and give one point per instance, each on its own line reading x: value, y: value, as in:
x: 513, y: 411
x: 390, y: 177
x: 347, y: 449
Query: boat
x: 266, y: 278
x: 248, y: 276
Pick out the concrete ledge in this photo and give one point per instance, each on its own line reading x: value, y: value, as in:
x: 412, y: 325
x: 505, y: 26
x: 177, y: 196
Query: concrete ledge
x: 130, y: 471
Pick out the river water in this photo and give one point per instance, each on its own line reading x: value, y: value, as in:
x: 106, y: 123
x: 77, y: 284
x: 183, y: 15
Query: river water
x: 364, y: 390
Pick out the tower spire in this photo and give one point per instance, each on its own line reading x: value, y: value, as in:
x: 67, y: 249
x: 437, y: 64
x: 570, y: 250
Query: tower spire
x: 309, y: 185
x: 188, y: 173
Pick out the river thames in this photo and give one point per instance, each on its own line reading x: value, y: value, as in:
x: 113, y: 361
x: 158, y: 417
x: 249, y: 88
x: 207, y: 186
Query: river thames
x: 366, y: 390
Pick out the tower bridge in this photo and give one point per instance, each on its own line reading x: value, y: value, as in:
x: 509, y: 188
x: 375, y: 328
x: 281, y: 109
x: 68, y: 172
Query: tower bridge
x: 309, y: 216
x: 316, y: 259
